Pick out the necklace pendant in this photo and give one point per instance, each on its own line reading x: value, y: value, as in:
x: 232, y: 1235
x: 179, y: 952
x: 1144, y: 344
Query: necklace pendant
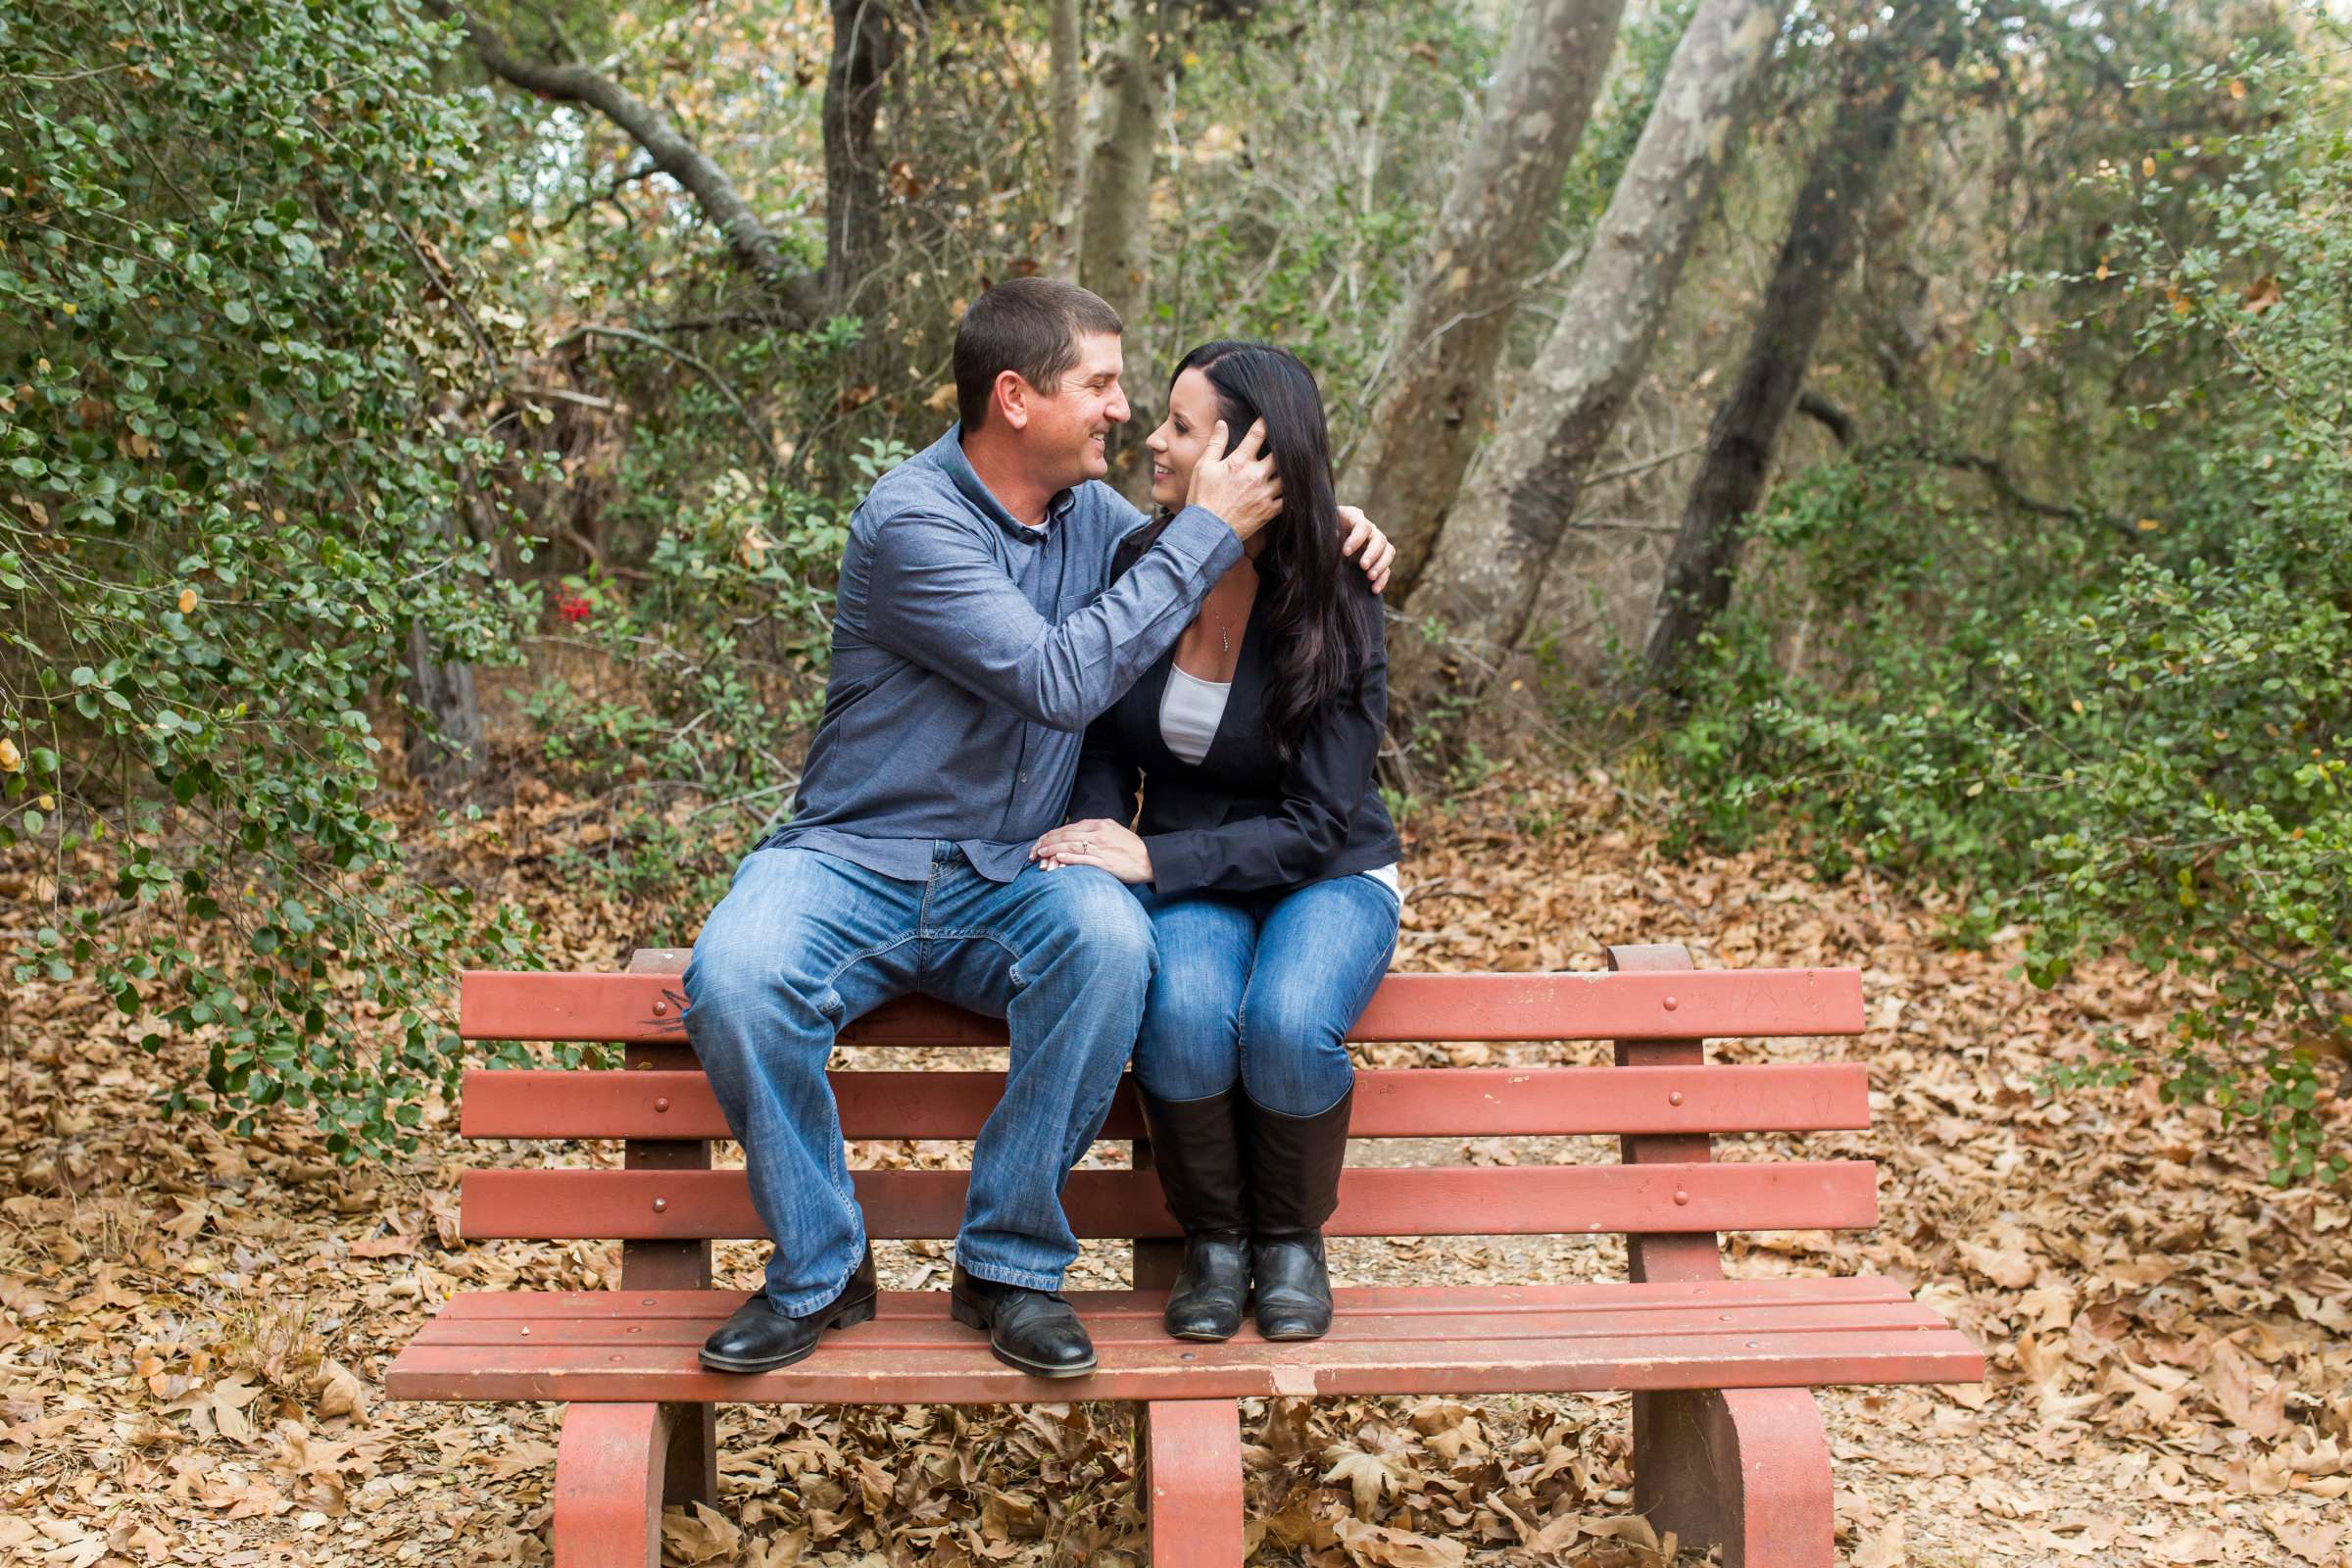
x: 1223, y: 641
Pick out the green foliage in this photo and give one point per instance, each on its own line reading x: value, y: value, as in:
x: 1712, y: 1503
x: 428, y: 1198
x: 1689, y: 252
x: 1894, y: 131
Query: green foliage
x: 229, y: 328
x: 2125, y: 734
x: 719, y: 637
x: 1324, y: 272
x: 1322, y: 269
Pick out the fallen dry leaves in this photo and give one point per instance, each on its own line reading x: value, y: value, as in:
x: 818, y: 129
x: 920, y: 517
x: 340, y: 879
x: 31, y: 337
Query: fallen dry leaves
x: 192, y: 1329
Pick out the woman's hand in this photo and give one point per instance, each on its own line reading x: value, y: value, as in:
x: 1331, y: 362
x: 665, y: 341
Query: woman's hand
x: 1098, y: 842
x: 1378, y: 551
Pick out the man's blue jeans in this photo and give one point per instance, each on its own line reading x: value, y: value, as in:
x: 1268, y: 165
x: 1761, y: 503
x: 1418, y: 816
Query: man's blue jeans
x: 1261, y: 989
x: 804, y: 942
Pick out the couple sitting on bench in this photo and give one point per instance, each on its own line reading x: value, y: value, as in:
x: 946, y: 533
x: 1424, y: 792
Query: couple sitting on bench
x: 1016, y: 651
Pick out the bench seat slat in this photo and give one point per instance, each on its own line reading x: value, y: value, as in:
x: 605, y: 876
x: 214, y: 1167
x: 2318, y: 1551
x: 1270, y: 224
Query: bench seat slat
x: 528, y: 1004
x: 1411, y: 1103
x: 1446, y: 1201
x: 1340, y: 1364
x: 937, y: 1331
x: 1394, y: 1300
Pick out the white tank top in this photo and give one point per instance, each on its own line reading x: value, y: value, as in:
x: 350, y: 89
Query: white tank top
x: 1188, y: 715
x: 1190, y: 712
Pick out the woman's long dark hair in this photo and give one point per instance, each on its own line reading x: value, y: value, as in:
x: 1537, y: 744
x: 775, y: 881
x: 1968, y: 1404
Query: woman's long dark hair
x: 1321, y: 642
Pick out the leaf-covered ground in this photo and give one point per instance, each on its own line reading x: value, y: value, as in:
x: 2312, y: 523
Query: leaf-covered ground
x: 192, y: 1329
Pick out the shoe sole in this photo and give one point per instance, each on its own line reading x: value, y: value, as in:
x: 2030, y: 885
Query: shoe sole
x: 854, y: 1313
x: 1200, y: 1339
x: 971, y: 1317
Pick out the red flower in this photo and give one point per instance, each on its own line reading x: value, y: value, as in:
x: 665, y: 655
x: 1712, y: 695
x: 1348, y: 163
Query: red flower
x: 573, y: 608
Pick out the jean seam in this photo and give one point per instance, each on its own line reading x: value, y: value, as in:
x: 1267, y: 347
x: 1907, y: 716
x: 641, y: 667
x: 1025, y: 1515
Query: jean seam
x: 1012, y: 970
x: 922, y: 918
x: 962, y: 932
x: 838, y: 1162
x: 1096, y: 1115
x: 831, y: 981
x: 1000, y: 1274
x: 1243, y: 1031
x: 825, y: 1297
x: 1240, y: 1015
x: 1381, y: 970
x: 1248, y: 967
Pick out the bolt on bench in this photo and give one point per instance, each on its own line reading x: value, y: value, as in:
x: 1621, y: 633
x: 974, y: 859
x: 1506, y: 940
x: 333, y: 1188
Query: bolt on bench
x: 1729, y: 1447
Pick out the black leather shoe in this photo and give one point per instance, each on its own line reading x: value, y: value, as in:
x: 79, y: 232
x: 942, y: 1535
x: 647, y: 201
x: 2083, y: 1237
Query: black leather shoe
x: 1037, y: 1332
x: 758, y: 1338
x: 1294, y: 1166
x: 1197, y: 1148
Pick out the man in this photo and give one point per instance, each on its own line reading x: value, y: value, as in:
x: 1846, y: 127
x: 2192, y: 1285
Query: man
x: 974, y: 637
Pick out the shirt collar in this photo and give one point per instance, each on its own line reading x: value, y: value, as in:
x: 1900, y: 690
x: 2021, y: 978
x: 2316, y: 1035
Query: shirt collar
x: 947, y: 453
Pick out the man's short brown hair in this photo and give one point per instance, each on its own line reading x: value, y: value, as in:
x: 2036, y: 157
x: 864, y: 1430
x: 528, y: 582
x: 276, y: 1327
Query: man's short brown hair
x: 1026, y: 324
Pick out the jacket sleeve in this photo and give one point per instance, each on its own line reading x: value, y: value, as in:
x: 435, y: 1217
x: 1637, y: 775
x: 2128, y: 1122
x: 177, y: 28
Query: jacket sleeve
x: 1322, y: 786
x: 937, y: 597
x: 1108, y: 781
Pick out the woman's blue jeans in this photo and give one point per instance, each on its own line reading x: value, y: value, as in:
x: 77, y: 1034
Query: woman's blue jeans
x: 1261, y: 989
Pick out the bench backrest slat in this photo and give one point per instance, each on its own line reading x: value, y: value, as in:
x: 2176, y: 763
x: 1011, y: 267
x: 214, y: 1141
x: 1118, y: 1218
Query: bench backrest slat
x: 1758, y: 1003
x: 1445, y: 1200
x: 1661, y: 1098
x: 1412, y: 1102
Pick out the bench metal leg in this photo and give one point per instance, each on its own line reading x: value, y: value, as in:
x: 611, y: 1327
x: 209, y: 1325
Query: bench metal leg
x: 1193, y: 1479
x: 609, y: 1467
x: 1745, y: 1469
x: 691, y: 1472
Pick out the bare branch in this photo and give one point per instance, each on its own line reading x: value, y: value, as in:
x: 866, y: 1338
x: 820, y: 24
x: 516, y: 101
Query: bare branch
x: 1819, y: 406
x: 767, y: 451
x: 795, y: 292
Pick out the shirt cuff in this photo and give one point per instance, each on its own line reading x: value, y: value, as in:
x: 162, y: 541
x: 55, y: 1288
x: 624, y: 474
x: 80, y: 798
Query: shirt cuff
x: 1178, y: 863
x: 1201, y: 540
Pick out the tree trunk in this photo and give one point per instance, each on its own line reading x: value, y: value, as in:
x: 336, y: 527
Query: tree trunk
x: 1114, y: 246
x: 1064, y: 116
x: 445, y: 767
x: 1823, y: 233
x: 1426, y: 425
x: 1519, y: 495
x: 1114, y: 242
x: 864, y: 42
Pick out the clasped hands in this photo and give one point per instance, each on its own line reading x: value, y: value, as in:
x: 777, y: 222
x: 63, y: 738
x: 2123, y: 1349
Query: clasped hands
x: 1098, y: 842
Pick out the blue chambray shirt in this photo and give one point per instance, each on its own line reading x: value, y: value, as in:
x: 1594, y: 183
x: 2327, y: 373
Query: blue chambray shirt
x: 970, y: 652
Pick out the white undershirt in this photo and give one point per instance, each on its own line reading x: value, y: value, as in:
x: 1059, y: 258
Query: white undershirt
x: 1188, y: 715
x: 1190, y: 712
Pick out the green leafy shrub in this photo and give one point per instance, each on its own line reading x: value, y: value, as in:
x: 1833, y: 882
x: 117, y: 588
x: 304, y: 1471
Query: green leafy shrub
x: 230, y: 325
x: 718, y: 647
x: 2121, y: 737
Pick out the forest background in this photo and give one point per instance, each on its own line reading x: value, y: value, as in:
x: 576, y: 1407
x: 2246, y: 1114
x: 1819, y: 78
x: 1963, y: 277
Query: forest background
x: 1910, y: 441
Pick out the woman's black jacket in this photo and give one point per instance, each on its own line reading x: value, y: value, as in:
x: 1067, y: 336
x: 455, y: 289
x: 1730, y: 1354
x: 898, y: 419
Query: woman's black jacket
x: 1240, y: 820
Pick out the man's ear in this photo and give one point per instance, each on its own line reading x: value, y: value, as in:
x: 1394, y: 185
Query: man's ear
x: 1012, y: 394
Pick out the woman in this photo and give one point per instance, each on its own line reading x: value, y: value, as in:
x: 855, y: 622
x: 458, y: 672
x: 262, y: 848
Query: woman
x: 1264, y: 858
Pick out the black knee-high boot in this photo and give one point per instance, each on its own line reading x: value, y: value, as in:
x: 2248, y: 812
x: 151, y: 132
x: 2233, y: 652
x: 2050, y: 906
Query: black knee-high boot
x: 1196, y: 1146
x: 1293, y: 1185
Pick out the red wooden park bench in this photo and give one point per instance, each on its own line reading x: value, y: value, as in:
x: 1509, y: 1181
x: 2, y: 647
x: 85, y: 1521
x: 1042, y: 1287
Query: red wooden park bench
x: 1729, y: 1445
